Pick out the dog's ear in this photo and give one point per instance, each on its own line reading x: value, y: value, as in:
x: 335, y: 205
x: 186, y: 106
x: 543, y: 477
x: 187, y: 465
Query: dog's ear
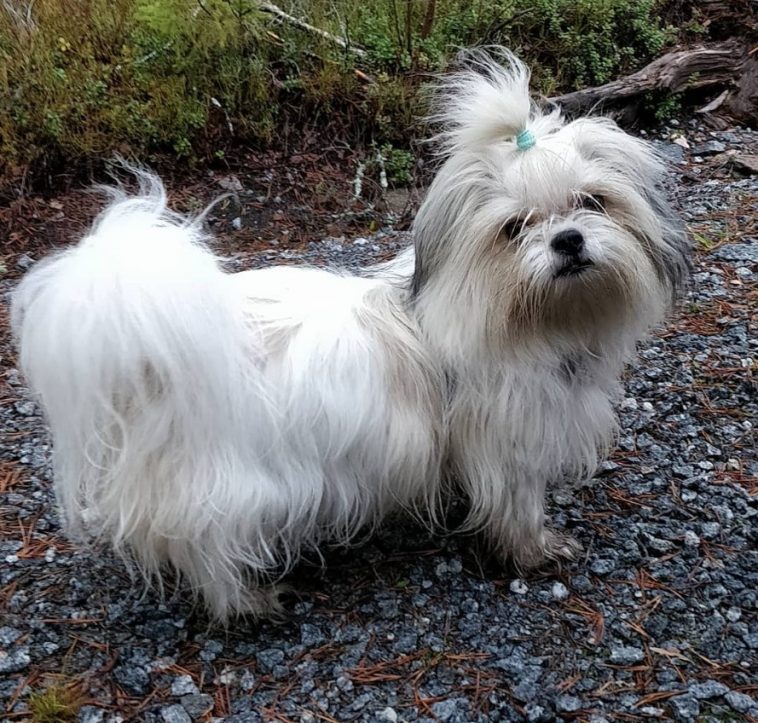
x: 419, y: 276
x: 672, y: 255
x: 637, y: 161
x: 430, y: 234
x: 443, y: 218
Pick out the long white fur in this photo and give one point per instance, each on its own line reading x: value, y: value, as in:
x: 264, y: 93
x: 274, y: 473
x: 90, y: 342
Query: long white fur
x: 223, y: 424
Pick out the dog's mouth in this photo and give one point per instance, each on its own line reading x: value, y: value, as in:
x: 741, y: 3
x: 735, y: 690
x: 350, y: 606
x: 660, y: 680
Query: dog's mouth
x: 574, y: 268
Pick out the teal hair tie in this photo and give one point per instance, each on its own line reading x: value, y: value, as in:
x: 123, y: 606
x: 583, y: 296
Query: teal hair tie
x: 525, y: 139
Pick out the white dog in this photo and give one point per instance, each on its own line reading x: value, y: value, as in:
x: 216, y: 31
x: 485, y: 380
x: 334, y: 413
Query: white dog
x: 221, y: 424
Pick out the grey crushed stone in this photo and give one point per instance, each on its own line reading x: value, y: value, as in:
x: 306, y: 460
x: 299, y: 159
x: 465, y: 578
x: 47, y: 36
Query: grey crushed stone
x: 737, y: 252
x: 388, y: 714
x: 175, y: 714
x: 708, y: 689
x: 559, y: 591
x: 183, y: 685
x: 741, y: 702
x: 709, y: 148
x: 626, y: 655
x: 90, y: 714
x: 685, y: 707
x: 14, y: 661
x: 413, y: 627
x: 197, y: 705
x: 567, y: 704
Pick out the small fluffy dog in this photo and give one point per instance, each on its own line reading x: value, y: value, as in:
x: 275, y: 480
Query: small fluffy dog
x: 221, y: 424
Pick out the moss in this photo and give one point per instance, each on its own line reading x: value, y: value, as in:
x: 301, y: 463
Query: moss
x: 57, y: 703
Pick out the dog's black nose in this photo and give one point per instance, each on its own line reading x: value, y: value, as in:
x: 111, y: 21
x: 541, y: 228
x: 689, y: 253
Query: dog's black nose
x: 568, y: 243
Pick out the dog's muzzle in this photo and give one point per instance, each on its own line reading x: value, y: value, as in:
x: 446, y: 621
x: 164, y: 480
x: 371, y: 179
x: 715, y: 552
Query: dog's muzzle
x: 570, y: 248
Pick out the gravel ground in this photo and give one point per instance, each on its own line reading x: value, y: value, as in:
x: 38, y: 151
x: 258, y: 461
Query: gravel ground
x: 659, y: 620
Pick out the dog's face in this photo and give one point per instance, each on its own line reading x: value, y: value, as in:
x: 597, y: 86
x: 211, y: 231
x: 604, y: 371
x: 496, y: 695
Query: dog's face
x: 572, y: 231
x: 569, y: 236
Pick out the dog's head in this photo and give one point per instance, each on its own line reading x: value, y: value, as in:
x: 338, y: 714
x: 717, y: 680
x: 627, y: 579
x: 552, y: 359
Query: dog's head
x: 538, y: 225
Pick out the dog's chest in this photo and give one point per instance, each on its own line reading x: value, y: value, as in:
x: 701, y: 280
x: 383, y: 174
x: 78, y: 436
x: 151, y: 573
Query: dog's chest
x: 555, y: 417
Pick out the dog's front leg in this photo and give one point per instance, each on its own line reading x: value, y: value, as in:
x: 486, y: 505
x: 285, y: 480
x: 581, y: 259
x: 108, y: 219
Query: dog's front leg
x: 511, y: 514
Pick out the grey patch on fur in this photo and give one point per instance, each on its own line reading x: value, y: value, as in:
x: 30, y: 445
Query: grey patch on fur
x: 673, y: 258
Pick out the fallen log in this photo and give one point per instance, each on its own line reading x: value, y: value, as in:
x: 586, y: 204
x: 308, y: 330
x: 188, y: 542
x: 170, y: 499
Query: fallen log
x: 716, y: 65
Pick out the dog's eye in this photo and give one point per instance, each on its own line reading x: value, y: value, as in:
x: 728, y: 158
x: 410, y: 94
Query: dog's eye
x: 513, y: 227
x: 592, y: 203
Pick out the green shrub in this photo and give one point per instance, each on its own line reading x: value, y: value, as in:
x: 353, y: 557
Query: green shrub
x: 665, y: 107
x: 82, y: 79
x: 398, y: 164
x: 574, y: 42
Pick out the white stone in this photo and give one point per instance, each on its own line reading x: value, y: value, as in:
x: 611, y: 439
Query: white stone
x: 519, y: 587
x: 691, y: 539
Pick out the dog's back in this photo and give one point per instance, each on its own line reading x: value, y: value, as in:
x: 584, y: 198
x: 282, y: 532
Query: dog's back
x: 220, y: 423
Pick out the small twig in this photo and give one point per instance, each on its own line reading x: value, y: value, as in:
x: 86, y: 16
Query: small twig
x: 382, y: 171
x: 358, y: 180
x: 307, y: 27
x: 204, y: 9
x: 152, y: 54
x: 218, y: 105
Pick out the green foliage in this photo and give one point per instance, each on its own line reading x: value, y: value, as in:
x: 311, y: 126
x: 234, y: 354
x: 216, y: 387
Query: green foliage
x: 574, y: 42
x: 665, y: 107
x: 84, y: 79
x: 398, y: 164
x: 702, y: 241
x: 587, y: 42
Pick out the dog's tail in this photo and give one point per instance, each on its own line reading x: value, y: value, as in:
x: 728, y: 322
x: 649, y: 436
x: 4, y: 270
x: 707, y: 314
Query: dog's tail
x: 136, y: 343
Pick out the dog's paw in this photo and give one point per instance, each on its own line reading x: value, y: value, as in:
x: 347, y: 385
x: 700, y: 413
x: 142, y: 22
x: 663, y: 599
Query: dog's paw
x: 552, y: 546
x: 265, y: 603
x: 559, y: 546
x: 255, y: 603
